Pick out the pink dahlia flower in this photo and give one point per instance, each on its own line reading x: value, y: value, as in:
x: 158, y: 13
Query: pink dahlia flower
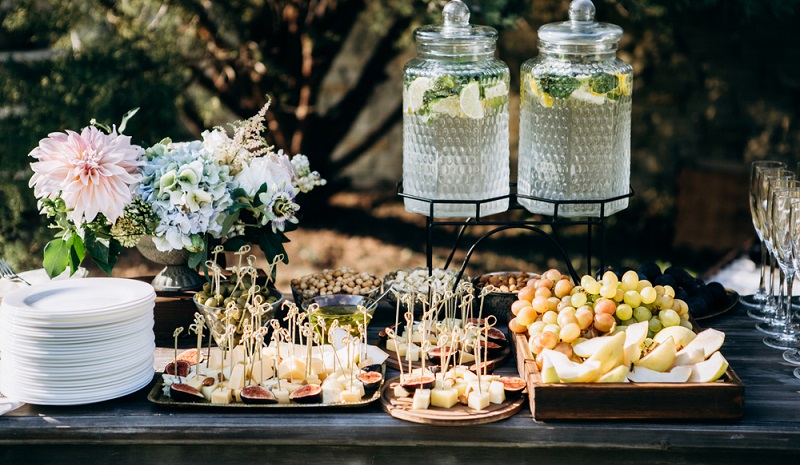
x: 92, y: 171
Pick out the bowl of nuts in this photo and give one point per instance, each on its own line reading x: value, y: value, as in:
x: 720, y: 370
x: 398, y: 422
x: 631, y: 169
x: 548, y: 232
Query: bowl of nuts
x: 418, y: 281
x: 340, y: 280
x: 508, y: 284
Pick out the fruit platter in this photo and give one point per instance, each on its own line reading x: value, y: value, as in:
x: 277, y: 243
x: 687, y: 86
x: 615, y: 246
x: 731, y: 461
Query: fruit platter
x: 592, y: 351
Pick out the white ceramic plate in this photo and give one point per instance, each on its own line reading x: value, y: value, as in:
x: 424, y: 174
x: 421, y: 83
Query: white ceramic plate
x: 77, y: 298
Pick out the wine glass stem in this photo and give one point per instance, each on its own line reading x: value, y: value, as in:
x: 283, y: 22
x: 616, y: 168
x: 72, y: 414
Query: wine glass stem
x: 779, y: 307
x: 761, y: 287
x: 771, y: 282
x: 787, y: 318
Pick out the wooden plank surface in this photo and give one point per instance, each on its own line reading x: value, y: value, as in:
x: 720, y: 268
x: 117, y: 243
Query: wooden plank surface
x: 136, y: 431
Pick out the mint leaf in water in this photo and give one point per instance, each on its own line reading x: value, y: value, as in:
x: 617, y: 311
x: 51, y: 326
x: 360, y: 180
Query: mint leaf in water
x: 558, y: 86
x: 603, y: 82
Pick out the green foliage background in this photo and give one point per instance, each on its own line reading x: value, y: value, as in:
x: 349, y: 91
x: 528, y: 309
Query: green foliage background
x: 191, y: 65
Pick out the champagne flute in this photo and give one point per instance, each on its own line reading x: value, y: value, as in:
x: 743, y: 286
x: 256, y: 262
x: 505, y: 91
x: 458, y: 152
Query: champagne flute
x: 782, y: 192
x: 768, y: 179
x: 786, y: 223
x: 759, y: 299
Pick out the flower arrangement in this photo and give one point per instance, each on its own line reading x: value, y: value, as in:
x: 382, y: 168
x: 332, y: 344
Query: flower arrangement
x: 103, y: 193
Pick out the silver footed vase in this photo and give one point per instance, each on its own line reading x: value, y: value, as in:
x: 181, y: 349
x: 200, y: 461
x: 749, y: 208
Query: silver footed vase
x: 176, y: 275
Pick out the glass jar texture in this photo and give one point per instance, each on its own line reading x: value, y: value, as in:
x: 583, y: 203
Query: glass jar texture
x: 455, y: 123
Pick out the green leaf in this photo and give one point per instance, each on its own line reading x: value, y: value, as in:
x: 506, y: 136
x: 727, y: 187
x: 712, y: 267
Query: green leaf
x: 56, y: 257
x: 235, y: 243
x: 77, y: 252
x: 602, y: 83
x: 97, y: 248
x: 558, y: 86
x: 272, y: 246
x: 114, y: 250
x: 227, y: 224
x: 197, y: 258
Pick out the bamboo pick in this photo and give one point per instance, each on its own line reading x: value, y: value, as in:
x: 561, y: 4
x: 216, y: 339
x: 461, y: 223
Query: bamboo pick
x: 197, y: 327
x: 391, y: 334
x: 175, y: 335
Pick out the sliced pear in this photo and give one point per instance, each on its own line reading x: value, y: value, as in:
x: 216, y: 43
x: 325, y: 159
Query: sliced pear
x: 710, y: 340
x: 645, y: 375
x: 611, y: 353
x: 572, y: 372
x: 682, y: 336
x: 617, y: 375
x: 709, y: 370
x: 661, y: 358
x: 690, y: 357
x: 634, y: 340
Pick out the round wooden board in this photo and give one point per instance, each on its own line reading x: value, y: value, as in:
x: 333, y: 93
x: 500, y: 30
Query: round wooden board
x: 393, y: 362
x: 458, y: 415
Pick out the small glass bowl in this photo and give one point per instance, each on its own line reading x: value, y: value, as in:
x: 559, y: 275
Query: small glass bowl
x: 342, y: 308
x: 217, y: 321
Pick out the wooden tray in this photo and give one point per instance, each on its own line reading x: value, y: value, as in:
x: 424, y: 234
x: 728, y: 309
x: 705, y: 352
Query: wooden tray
x: 722, y: 400
x: 459, y: 415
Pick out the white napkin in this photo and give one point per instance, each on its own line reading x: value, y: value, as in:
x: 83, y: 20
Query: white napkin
x: 34, y: 277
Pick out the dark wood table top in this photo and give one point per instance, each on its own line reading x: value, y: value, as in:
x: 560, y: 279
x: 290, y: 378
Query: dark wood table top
x: 132, y: 430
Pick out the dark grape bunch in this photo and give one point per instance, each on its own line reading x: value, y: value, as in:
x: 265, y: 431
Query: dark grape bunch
x: 701, y: 297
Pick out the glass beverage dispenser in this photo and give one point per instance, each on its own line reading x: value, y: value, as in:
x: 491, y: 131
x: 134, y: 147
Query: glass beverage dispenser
x: 575, y: 118
x: 455, y: 119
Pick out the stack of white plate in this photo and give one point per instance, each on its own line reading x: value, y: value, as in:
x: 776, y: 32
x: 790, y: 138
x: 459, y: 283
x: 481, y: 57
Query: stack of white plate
x: 77, y: 341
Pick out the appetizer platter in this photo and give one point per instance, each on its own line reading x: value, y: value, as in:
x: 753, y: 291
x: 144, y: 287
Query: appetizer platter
x: 628, y: 351
x: 309, y: 361
x: 451, y: 324
x: 492, y: 399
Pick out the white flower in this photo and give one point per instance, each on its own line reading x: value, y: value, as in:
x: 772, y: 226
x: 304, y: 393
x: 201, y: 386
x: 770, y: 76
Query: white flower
x: 189, y: 194
x: 270, y: 170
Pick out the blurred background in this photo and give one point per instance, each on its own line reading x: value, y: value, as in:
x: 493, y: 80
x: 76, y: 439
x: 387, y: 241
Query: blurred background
x: 716, y: 86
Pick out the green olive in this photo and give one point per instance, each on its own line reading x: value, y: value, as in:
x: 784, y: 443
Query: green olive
x: 212, y: 302
x: 207, y: 288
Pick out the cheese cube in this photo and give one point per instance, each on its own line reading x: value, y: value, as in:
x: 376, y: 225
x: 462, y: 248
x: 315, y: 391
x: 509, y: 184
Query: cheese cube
x: 465, y: 357
x: 412, y: 353
x: 497, y: 392
x: 222, y: 396
x: 237, y: 377
x: 400, y: 391
x: 215, y: 361
x: 282, y: 395
x: 478, y: 400
x: 350, y: 395
x: 237, y: 355
x: 263, y: 370
x: 292, y: 368
x: 208, y: 390
x: 444, y: 398
x: 461, y: 387
x: 196, y: 382
x: 422, y: 399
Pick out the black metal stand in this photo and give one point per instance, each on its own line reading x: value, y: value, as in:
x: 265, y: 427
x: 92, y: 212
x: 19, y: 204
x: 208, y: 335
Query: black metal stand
x: 532, y: 224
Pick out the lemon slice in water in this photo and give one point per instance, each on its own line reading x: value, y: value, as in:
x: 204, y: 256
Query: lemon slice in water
x: 470, y: 99
x: 416, y: 92
x: 447, y: 106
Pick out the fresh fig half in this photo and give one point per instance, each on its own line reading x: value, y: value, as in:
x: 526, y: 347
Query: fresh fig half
x: 308, y: 394
x: 257, y: 395
x: 512, y: 385
x: 436, y: 354
x: 184, y: 393
x: 370, y: 379
x: 183, y: 368
x: 418, y: 382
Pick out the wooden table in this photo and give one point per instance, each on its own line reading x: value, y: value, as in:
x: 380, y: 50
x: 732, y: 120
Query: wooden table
x: 131, y: 430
